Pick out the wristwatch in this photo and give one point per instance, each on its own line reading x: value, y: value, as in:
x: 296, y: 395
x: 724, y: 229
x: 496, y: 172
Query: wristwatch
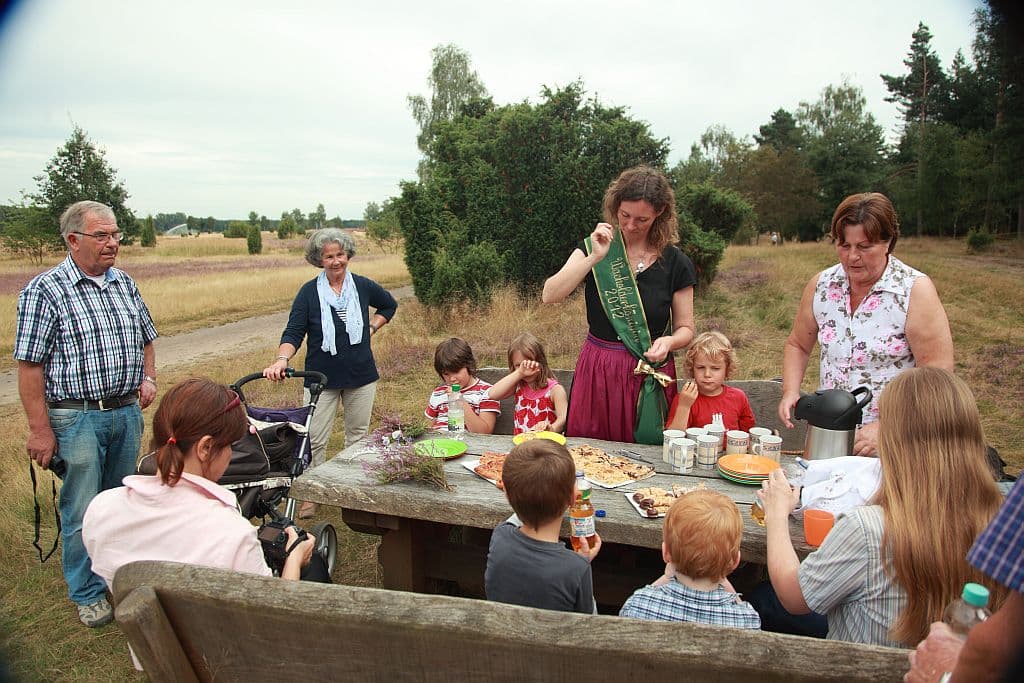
x: 151, y: 380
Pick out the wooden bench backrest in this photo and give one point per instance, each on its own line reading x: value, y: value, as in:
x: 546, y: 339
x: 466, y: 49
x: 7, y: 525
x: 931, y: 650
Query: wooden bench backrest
x: 194, y: 623
x: 764, y: 396
x: 492, y: 375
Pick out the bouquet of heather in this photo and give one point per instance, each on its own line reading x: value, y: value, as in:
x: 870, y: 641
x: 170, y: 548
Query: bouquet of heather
x: 398, y: 459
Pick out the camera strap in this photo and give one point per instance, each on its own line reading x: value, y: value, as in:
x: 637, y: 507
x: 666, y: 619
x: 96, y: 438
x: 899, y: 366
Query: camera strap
x: 38, y: 514
x: 298, y: 540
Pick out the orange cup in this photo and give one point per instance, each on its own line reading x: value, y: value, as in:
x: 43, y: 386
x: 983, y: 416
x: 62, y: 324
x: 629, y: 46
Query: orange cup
x: 817, y: 524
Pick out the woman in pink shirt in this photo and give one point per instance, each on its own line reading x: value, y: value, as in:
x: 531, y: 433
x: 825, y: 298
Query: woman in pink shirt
x: 181, y: 514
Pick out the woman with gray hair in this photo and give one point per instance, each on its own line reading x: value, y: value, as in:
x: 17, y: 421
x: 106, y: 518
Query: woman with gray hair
x: 332, y: 311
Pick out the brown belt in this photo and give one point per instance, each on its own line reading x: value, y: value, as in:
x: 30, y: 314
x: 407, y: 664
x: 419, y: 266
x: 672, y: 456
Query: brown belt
x: 102, y: 404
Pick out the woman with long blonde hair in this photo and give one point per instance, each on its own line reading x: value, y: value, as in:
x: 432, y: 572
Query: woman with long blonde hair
x: 888, y: 569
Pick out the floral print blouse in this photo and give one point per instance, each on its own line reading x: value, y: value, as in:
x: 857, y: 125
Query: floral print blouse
x: 866, y: 347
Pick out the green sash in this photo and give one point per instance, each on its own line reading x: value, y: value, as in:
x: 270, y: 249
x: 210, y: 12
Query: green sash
x: 620, y: 299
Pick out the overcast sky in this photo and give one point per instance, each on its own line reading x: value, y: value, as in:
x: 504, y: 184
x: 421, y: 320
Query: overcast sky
x: 220, y: 107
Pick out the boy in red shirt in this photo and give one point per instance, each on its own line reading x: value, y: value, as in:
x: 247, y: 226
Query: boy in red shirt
x: 710, y: 361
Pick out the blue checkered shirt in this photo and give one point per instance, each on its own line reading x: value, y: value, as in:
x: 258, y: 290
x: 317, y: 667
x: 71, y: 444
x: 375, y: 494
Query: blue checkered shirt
x: 89, y: 338
x: 999, y: 550
x: 676, y: 602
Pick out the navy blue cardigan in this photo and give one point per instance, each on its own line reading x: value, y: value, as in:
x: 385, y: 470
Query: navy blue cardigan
x: 354, y: 366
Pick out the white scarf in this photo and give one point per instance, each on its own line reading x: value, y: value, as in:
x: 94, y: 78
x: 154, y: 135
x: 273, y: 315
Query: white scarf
x: 347, y: 301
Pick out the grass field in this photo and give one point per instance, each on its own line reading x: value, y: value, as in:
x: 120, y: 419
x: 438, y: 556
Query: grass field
x: 193, y: 282
x: 752, y: 301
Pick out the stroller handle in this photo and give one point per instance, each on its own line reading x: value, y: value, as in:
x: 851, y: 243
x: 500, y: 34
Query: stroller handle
x: 319, y: 381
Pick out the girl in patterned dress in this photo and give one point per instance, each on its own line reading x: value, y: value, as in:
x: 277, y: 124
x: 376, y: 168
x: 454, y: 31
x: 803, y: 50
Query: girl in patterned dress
x: 541, y: 402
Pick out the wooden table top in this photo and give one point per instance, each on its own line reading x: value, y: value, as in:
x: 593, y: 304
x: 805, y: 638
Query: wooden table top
x: 341, y: 482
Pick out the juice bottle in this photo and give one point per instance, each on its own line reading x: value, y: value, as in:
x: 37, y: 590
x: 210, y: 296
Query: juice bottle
x: 581, y: 515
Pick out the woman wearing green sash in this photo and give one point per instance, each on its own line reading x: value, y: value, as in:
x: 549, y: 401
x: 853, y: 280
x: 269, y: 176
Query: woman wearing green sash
x: 639, y: 297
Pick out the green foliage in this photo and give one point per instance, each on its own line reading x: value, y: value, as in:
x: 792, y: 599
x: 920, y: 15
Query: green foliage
x: 237, y: 230
x: 382, y: 226
x: 254, y: 218
x: 148, y: 235
x: 845, y: 145
x: 715, y: 209
x: 923, y: 91
x: 318, y: 218
x: 254, y: 240
x: 453, y: 84
x: 705, y: 248
x: 526, y: 179
x: 286, y: 227
x: 26, y: 230
x: 78, y: 171
x: 463, y: 271
x: 979, y: 239
x: 781, y: 133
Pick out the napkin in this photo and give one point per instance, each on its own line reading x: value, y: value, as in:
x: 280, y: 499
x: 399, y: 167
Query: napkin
x: 840, y: 484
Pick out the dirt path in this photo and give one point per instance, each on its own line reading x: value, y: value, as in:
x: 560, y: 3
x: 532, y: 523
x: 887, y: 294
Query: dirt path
x: 252, y: 333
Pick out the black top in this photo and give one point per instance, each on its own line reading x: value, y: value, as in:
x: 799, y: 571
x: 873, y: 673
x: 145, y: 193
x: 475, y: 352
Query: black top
x: 354, y: 366
x: 657, y: 284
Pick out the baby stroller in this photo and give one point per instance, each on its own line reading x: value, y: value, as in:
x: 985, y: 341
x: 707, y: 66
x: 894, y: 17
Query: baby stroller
x: 266, y: 461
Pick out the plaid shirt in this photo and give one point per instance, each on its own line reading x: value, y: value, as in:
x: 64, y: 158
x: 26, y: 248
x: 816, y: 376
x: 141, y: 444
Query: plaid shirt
x: 89, y: 338
x: 999, y: 550
x: 676, y: 602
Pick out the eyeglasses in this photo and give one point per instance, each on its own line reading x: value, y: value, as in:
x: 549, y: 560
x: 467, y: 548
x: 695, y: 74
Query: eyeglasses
x: 232, y: 404
x: 101, y: 236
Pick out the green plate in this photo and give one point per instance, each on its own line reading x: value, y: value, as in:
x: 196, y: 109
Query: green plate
x: 441, y: 448
x: 738, y: 480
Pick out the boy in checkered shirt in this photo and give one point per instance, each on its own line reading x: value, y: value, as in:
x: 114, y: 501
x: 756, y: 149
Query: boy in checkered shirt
x: 701, y: 547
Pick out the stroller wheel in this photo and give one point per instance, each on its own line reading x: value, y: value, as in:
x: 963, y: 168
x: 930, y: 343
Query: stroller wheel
x: 326, y: 544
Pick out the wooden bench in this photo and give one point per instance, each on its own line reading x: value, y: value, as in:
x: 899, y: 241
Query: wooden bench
x: 190, y: 623
x: 764, y: 396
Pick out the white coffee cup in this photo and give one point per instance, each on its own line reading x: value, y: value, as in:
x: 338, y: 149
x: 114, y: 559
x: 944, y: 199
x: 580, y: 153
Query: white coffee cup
x: 770, y: 446
x: 694, y: 432
x: 736, y: 441
x: 683, y: 453
x: 755, y: 435
x: 707, y: 451
x: 666, y: 443
x: 717, y: 431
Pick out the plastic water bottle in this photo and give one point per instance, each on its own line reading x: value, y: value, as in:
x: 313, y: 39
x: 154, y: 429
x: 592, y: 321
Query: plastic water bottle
x: 581, y: 515
x: 456, y: 417
x: 969, y: 609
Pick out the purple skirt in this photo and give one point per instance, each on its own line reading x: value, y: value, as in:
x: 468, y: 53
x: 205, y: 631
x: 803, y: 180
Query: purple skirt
x: 602, y: 403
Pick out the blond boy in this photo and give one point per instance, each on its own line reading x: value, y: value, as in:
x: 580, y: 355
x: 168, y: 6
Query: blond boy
x: 701, y: 547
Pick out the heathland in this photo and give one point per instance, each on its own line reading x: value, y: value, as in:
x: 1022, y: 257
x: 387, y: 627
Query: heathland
x: 193, y: 283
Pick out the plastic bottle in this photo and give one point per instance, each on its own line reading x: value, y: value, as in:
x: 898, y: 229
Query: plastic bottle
x: 969, y: 609
x: 581, y: 515
x: 456, y: 417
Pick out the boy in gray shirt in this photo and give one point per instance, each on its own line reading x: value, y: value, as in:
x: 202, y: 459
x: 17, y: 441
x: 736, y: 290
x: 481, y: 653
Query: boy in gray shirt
x: 528, y: 565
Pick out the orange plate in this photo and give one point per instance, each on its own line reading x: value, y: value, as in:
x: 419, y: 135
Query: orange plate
x: 743, y: 463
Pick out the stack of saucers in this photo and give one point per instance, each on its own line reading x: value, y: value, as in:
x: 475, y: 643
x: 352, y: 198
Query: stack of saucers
x: 744, y: 468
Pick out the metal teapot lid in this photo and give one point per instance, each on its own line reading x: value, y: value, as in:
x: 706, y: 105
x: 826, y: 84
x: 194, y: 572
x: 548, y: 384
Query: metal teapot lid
x: 835, y: 409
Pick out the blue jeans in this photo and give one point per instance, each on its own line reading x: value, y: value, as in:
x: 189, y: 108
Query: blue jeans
x: 774, y: 616
x: 97, y: 449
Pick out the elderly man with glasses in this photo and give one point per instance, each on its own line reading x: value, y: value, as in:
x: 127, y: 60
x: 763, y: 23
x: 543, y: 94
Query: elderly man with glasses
x: 86, y: 369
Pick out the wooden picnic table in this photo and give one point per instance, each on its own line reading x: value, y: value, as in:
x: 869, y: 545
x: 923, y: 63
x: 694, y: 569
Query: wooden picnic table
x: 416, y: 521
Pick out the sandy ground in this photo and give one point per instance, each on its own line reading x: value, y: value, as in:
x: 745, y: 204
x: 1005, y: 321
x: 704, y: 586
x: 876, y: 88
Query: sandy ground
x: 263, y: 331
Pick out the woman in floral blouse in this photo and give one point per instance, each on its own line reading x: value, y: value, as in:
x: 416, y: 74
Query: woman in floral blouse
x: 873, y: 315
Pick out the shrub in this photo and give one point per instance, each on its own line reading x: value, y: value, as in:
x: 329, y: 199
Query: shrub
x: 704, y: 247
x: 237, y: 230
x: 523, y: 183
x: 715, y: 209
x: 254, y: 240
x: 148, y: 234
x: 979, y: 239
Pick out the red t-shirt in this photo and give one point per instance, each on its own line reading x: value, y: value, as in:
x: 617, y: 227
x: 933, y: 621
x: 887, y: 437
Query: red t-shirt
x: 732, y: 403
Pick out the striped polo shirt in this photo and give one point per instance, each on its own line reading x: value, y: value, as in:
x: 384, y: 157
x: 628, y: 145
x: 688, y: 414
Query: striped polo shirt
x: 846, y: 580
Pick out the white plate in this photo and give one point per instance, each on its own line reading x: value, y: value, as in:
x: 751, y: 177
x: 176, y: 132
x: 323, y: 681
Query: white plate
x: 636, y: 506
x: 471, y: 464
